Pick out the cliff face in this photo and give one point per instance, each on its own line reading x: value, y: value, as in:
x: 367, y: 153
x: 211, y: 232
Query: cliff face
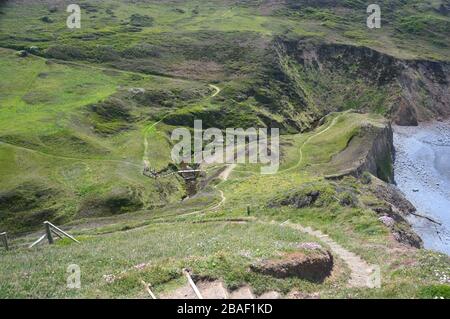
x: 315, y: 79
x: 370, y: 150
x: 425, y: 87
x: 380, y: 156
x: 300, y: 81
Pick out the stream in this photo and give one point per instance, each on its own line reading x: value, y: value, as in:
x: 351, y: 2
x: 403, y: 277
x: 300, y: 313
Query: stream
x: 422, y: 173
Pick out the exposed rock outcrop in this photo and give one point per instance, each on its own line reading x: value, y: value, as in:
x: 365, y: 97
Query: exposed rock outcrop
x: 380, y: 156
x: 425, y: 92
x: 393, y: 212
x: 307, y: 195
x: 404, y: 114
x: 314, y: 265
x: 392, y: 195
x: 371, y: 150
x: 409, y: 91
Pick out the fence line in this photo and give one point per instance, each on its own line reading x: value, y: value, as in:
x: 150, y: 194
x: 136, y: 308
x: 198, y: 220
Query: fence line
x: 4, y: 238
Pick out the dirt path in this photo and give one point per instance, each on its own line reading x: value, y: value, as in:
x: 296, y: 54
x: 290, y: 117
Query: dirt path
x: 102, y: 68
x: 300, y: 160
x: 67, y: 157
x: 148, y: 130
x: 361, y: 274
x: 361, y: 271
x: 217, y: 290
x: 226, y: 173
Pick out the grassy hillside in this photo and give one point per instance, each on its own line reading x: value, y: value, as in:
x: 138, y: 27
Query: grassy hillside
x: 222, y: 243
x: 252, y: 47
x: 86, y: 111
x: 64, y: 156
x: 163, y: 25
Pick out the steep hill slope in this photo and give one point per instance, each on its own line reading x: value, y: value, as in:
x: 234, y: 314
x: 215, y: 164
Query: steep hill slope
x: 86, y: 117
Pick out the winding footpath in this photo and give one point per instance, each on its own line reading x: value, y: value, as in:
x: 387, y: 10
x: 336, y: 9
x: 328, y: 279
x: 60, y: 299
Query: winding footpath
x: 299, y: 163
x: 30, y: 150
x: 148, y: 130
x: 362, y: 275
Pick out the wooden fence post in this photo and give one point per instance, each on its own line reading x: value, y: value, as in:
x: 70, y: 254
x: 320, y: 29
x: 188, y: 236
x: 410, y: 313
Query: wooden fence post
x: 147, y: 287
x: 4, y: 237
x: 60, y: 231
x: 192, y: 283
x: 48, y: 232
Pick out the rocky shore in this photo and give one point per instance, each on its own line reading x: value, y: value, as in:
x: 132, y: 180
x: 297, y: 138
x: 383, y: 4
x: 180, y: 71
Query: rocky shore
x: 422, y: 173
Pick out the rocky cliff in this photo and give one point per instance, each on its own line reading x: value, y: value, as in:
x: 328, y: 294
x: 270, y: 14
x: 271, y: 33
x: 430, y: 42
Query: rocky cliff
x: 314, y: 79
x: 370, y: 150
x: 425, y: 92
x: 380, y: 156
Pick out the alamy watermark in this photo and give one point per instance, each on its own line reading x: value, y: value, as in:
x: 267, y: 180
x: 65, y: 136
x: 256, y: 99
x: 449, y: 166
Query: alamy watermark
x: 374, y: 20
x: 237, y: 146
x: 74, y: 278
x: 74, y: 19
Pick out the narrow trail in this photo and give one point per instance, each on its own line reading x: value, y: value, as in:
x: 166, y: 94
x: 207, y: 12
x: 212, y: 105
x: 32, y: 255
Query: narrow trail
x: 99, y: 68
x: 300, y: 160
x: 145, y: 158
x: 216, y: 290
x: 226, y: 173
x: 361, y: 273
x: 224, y: 177
x: 151, y: 128
x: 67, y: 157
x: 102, y: 68
x: 147, y: 131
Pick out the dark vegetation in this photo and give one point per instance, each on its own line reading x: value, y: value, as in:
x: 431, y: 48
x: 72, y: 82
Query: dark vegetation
x: 111, y: 116
x: 27, y: 206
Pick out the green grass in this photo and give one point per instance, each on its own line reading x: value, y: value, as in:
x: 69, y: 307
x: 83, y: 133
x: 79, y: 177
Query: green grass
x: 109, y: 26
x: 212, y: 246
x: 73, y: 141
x: 47, y: 133
x: 217, y: 250
x: 35, y: 93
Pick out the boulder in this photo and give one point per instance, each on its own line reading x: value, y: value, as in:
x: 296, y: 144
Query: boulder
x: 386, y: 220
x: 300, y: 199
x: 46, y: 19
x: 405, y: 115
